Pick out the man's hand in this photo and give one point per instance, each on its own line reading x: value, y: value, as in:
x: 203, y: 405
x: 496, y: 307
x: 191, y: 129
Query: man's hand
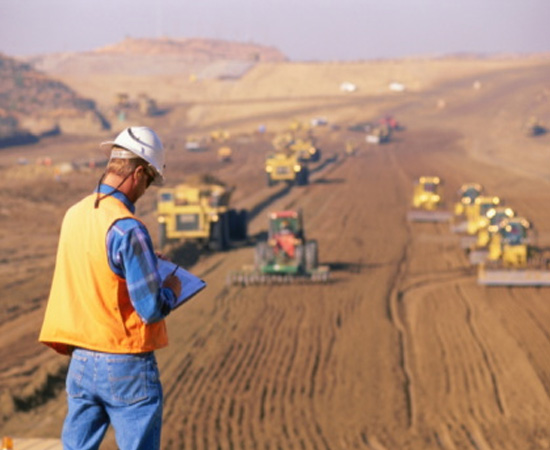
x: 174, y: 283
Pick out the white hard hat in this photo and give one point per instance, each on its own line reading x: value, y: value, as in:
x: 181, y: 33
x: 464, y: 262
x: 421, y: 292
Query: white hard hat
x: 140, y: 142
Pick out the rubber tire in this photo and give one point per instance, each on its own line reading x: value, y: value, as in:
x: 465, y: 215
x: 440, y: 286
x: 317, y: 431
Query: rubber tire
x: 312, y: 256
x: 219, y: 236
x: 243, y: 224
x: 263, y: 254
x: 300, y: 257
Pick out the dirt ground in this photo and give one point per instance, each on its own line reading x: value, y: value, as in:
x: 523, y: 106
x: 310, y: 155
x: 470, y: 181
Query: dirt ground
x: 401, y: 350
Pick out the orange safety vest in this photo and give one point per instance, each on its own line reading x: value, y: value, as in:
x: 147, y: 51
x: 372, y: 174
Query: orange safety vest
x: 89, y: 305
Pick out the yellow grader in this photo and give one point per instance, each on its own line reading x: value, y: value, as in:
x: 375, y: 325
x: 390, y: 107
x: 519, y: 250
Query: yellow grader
x: 514, y: 259
x: 286, y: 257
x: 427, y: 201
x: 199, y: 212
x: 286, y: 167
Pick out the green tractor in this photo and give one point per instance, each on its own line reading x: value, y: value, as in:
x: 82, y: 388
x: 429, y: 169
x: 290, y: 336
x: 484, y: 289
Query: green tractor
x: 286, y: 256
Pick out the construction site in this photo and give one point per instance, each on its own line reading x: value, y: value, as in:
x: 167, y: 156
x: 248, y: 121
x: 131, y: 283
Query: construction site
x: 368, y: 325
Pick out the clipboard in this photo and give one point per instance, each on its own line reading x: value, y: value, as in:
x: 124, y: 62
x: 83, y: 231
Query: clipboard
x: 190, y: 284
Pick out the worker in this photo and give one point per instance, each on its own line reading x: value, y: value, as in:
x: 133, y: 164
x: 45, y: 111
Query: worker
x: 107, y: 303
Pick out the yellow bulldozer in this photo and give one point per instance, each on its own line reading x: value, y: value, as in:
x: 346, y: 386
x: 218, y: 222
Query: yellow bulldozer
x: 475, y: 218
x: 427, y: 201
x: 514, y: 258
x: 199, y: 212
x: 467, y: 194
x: 286, y: 167
x: 488, y: 226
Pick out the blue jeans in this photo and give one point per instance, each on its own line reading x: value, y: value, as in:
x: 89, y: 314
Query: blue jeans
x: 122, y: 390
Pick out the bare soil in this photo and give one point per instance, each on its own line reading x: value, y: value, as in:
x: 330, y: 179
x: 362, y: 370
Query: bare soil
x: 401, y: 350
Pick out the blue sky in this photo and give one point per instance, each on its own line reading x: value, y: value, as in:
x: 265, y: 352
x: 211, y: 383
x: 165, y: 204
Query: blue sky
x: 304, y: 30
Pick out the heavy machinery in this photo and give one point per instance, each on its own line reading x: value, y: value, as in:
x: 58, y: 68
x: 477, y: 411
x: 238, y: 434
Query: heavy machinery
x: 489, y: 225
x: 534, y: 127
x: 514, y: 259
x: 224, y: 154
x: 427, y: 201
x: 286, y: 257
x: 475, y: 217
x: 286, y: 167
x: 219, y: 135
x: 195, y: 144
x: 199, y: 212
x: 305, y: 149
x: 379, y: 134
x: 467, y: 194
x: 476, y: 212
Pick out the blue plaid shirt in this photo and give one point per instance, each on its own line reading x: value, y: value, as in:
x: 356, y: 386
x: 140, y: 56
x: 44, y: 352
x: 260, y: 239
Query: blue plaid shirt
x: 131, y: 256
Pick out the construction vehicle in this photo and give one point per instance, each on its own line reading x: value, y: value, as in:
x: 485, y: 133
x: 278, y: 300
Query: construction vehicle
x: 534, y: 127
x: 427, y: 201
x: 475, y: 218
x: 391, y: 122
x: 488, y: 226
x: 286, y: 256
x: 351, y: 147
x: 147, y: 105
x: 224, y: 154
x: 199, y: 212
x: 476, y: 212
x: 467, y: 194
x: 514, y: 259
x: 305, y: 149
x: 195, y: 144
x: 219, y: 135
x: 286, y: 167
x: 379, y: 134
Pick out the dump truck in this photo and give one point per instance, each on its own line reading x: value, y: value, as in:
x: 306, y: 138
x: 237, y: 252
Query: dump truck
x: 427, y: 202
x: 286, y: 167
x: 514, y: 259
x: 286, y: 257
x: 199, y: 212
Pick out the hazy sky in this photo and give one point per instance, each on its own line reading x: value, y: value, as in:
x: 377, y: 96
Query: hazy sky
x: 301, y: 29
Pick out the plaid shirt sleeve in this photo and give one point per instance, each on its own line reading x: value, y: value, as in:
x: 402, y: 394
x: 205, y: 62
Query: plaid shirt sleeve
x: 131, y: 256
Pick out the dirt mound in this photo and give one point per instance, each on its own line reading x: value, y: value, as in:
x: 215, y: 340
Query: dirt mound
x: 34, y: 105
x: 200, y: 58
x: 195, y: 49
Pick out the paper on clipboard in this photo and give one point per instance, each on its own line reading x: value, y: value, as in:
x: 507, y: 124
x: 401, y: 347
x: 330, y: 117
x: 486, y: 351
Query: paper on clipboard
x: 190, y: 284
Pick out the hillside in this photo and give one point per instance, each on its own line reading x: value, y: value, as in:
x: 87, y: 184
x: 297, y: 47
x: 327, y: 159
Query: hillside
x: 162, y: 56
x: 33, y: 105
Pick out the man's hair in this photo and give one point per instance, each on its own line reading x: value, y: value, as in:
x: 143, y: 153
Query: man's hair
x: 124, y: 167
